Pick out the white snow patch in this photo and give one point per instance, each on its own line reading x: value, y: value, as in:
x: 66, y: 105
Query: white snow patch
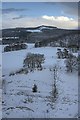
x: 34, y: 30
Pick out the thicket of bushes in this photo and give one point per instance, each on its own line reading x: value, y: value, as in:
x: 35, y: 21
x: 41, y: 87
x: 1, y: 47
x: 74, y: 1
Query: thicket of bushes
x: 71, y: 61
x: 33, y: 61
x: 15, y: 47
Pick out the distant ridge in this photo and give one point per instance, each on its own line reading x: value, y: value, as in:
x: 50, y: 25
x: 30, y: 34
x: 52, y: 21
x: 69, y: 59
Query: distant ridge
x: 33, y: 34
x: 37, y: 27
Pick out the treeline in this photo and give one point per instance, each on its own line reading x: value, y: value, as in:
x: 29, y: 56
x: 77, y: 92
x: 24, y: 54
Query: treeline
x: 14, y: 47
x: 32, y: 37
x: 66, y: 40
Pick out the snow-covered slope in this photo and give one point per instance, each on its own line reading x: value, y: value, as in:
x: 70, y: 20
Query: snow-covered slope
x: 18, y: 99
x: 34, y: 30
x: 40, y: 28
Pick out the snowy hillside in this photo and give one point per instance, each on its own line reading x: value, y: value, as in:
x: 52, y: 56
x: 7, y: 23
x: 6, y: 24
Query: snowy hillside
x: 40, y: 28
x: 18, y: 99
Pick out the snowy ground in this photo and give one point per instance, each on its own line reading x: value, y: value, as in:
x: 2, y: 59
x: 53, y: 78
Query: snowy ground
x: 18, y: 99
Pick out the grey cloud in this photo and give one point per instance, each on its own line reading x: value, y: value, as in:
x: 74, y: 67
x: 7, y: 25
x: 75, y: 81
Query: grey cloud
x: 19, y: 17
x: 9, y: 10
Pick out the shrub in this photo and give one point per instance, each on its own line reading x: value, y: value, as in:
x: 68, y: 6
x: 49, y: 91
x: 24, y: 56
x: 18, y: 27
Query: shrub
x: 34, y: 89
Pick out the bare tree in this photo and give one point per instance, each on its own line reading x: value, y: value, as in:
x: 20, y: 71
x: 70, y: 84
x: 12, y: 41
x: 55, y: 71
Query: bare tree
x: 71, y: 63
x: 54, y: 85
x: 59, y: 54
x: 33, y: 61
x: 65, y: 53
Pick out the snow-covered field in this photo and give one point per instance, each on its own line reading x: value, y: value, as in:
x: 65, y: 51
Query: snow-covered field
x: 18, y: 99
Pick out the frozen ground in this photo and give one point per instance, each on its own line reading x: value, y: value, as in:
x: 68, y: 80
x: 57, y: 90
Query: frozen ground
x: 18, y: 99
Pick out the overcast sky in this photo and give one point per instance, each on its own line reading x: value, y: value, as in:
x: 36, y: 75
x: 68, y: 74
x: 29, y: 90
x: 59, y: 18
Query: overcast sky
x: 31, y: 14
